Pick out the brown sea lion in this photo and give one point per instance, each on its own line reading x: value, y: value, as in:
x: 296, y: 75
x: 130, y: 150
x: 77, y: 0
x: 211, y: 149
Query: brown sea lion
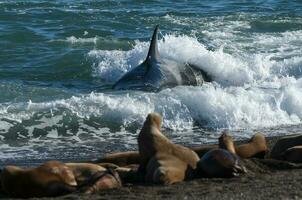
x: 161, y: 160
x: 283, y: 144
x: 222, y: 162
x: 53, y: 178
x: 256, y: 147
x: 293, y: 154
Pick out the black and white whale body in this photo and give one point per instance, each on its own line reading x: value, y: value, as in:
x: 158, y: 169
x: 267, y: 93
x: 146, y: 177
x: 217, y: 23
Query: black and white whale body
x: 155, y: 73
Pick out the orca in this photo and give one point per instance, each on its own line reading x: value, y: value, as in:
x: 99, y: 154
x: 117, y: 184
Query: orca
x: 155, y: 73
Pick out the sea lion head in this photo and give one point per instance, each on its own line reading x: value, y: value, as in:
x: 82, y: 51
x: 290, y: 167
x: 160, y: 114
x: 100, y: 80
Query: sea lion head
x: 61, y: 170
x: 219, y: 163
x: 226, y: 142
x: 153, y: 119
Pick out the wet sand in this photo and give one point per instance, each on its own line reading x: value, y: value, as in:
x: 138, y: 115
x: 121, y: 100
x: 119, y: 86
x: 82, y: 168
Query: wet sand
x: 265, y: 179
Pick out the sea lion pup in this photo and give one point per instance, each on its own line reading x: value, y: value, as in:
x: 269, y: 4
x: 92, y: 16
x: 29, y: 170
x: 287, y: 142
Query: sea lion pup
x: 222, y: 162
x: 256, y: 147
x: 161, y: 160
x: 121, y: 158
x: 283, y: 144
x: 293, y: 154
x: 53, y: 178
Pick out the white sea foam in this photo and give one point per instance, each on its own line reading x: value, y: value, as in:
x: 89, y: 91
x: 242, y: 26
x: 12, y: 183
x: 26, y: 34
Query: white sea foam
x: 210, y: 106
x: 250, y: 89
x: 75, y: 40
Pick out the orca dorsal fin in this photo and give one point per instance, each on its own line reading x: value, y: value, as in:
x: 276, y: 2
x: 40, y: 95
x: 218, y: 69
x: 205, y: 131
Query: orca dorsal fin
x: 153, y: 49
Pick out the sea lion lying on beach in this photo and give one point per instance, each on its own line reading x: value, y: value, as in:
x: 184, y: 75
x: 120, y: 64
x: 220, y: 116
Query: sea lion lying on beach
x: 283, y: 144
x: 161, y: 160
x: 52, y: 178
x: 92, y: 178
x: 256, y: 147
x: 222, y: 162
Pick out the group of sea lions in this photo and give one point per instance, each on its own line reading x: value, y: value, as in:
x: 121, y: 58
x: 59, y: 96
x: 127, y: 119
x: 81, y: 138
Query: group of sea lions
x: 158, y: 161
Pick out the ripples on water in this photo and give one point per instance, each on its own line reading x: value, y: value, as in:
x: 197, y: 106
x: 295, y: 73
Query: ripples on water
x: 59, y: 58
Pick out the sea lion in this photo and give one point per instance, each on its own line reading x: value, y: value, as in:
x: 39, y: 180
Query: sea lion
x: 52, y: 178
x: 159, y: 157
x: 84, y: 172
x: 108, y: 179
x: 293, y: 154
x: 256, y: 147
x: 222, y: 162
x: 283, y: 144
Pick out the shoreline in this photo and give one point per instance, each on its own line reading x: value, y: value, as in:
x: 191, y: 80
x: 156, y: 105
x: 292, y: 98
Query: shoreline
x: 265, y: 179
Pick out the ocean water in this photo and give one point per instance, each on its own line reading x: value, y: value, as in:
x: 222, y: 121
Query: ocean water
x: 59, y: 59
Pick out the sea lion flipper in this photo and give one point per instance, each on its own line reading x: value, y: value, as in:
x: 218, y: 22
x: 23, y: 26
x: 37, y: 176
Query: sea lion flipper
x: 239, y: 169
